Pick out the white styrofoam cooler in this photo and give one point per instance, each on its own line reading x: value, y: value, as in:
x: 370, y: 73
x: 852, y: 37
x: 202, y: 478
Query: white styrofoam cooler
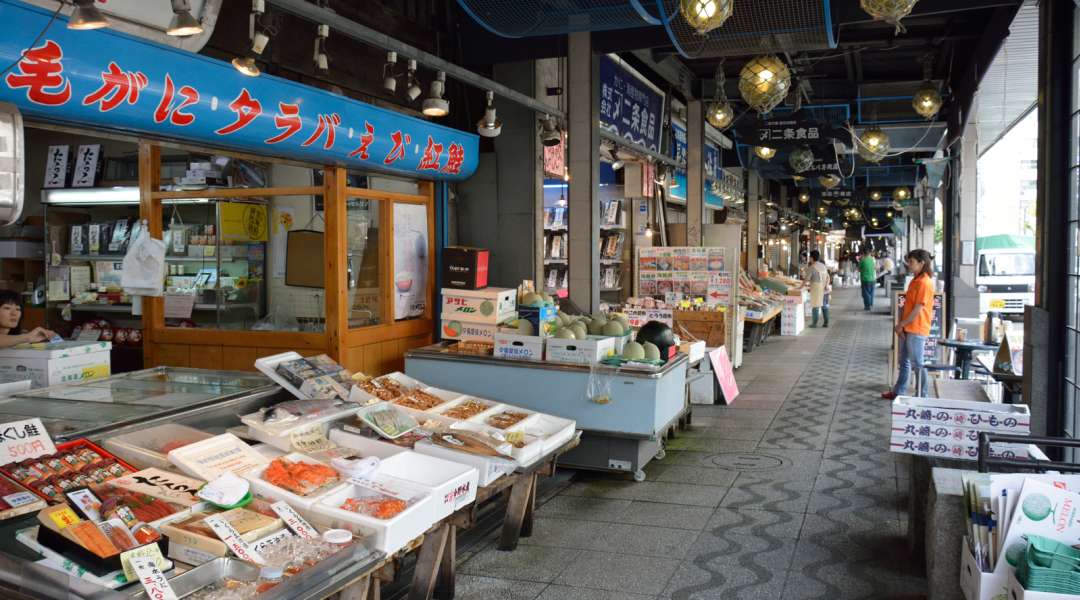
x: 58, y: 362
x: 1017, y: 592
x: 489, y: 468
x: 984, y: 416
x: 268, y: 491
x: 387, y: 535
x: 452, y: 485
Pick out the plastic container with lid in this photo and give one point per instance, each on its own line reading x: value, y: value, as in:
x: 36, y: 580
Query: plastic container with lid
x: 150, y: 447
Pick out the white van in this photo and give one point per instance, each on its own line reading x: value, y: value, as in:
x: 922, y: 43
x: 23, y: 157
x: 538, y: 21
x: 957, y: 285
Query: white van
x: 1005, y: 273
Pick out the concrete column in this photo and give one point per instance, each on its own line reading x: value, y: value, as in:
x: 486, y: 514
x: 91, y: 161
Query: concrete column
x: 753, y: 221
x: 695, y: 171
x: 965, y: 297
x: 584, y: 165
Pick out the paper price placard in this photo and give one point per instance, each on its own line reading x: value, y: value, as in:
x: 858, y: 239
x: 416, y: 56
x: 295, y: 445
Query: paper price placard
x: 152, y: 579
x: 271, y: 540
x: 294, y: 520
x: 311, y: 439
x: 20, y: 499
x: 23, y: 440
x: 151, y: 551
x: 228, y: 534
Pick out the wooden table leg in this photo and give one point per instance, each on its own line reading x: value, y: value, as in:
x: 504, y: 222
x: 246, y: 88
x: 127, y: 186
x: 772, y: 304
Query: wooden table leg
x: 358, y: 590
x: 530, y: 508
x: 445, y: 586
x: 428, y: 563
x: 375, y: 589
x: 515, y: 513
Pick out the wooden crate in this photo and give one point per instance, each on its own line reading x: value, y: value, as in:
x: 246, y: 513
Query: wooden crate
x: 710, y: 326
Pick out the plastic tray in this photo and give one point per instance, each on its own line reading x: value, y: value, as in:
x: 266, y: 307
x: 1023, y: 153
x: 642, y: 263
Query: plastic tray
x: 281, y: 437
x: 144, y: 448
x: 266, y: 490
x: 381, y: 406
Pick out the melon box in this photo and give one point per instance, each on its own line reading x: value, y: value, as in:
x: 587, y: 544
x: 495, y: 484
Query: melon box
x: 542, y: 319
x: 453, y: 329
x: 490, y: 306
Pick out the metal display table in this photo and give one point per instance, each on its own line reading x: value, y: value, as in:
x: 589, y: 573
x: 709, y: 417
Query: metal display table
x: 760, y: 328
x: 964, y: 351
x: 622, y: 435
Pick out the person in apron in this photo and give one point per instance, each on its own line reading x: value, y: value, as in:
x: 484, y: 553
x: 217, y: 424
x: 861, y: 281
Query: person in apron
x: 819, y: 290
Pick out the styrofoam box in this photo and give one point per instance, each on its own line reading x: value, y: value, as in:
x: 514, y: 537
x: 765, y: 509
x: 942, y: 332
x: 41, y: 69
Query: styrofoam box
x: 976, y: 585
x: 281, y: 438
x: 441, y: 409
x: 553, y: 431
x: 1017, y: 592
x: 213, y: 457
x: 512, y: 345
x: 694, y: 351
x: 452, y: 485
x: 365, y: 445
x: 143, y: 448
x: 59, y: 362
x: 456, y: 329
x: 985, y: 416
x: 267, y: 365
x: 489, y: 305
x: 489, y: 468
x: 268, y: 491
x: 389, y: 535
x: 587, y: 351
x: 959, y: 451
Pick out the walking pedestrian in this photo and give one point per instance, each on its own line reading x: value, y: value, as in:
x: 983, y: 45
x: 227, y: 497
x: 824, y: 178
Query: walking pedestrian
x: 914, y: 325
x: 819, y: 289
x: 868, y: 278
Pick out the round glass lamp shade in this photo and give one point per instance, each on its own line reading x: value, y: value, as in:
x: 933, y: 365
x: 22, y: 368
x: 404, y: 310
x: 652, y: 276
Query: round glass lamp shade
x: 801, y: 159
x: 901, y: 193
x: 764, y: 152
x: 822, y: 210
x: 875, y: 195
x: 764, y: 82
x: 926, y: 101
x: 804, y: 198
x: 706, y: 15
x: 890, y: 11
x: 720, y: 114
x: 829, y: 181
x: 873, y: 144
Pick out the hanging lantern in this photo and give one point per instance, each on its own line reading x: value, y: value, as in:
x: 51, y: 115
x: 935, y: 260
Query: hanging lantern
x: 875, y: 195
x: 890, y: 11
x: 801, y: 159
x: 764, y: 82
x: 927, y: 100
x: 822, y: 210
x: 873, y: 144
x: 901, y: 193
x: 804, y: 197
x: 706, y: 15
x: 720, y: 114
x: 764, y: 152
x: 843, y: 201
x: 829, y: 181
x: 845, y: 224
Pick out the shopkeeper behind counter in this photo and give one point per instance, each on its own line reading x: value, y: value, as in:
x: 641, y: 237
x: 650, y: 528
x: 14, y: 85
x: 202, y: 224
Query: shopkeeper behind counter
x: 10, y: 316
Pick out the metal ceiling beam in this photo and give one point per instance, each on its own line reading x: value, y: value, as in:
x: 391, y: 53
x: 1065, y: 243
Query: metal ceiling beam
x: 356, y: 31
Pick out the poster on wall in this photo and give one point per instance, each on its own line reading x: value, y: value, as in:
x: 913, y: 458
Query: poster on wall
x: 684, y: 273
x: 282, y: 222
x: 410, y: 260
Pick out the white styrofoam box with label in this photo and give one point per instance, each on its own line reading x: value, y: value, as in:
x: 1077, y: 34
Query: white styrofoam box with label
x: 389, y: 535
x: 211, y: 458
x: 985, y: 416
x: 282, y: 436
x: 694, y: 351
x: 54, y: 363
x: 792, y: 321
x: 144, y: 448
x: 586, y: 351
x: 513, y: 345
x: 553, y: 431
x: 491, y: 306
x: 268, y: 491
x: 452, y: 485
x: 936, y: 433
x: 952, y: 449
x: 489, y: 468
x: 454, y: 329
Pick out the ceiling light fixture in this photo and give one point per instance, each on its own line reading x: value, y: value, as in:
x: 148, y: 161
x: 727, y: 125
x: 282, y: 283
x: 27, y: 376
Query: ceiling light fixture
x: 890, y: 11
x: 875, y: 195
x: 549, y: 132
x: 821, y: 210
x: 829, y: 181
x: 182, y: 23
x: 801, y: 159
x: 260, y: 30
x: 873, y: 144
x: 889, y: 213
x: 489, y: 126
x: 764, y: 82
x: 706, y: 15
x: 764, y: 152
x: 435, y: 105
x: 413, y: 91
x: 389, y: 79
x: 86, y: 16
x: 719, y: 112
x: 804, y: 197
x: 901, y: 193
x: 322, y: 60
x: 927, y: 101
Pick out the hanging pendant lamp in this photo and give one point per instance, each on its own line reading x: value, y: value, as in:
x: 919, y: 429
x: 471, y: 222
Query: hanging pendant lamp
x: 764, y: 82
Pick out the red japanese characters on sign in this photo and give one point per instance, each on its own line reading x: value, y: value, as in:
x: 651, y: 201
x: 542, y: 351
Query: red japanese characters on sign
x: 327, y: 124
x: 398, y: 152
x: 288, y: 119
x: 246, y: 109
x: 432, y: 154
x: 366, y: 139
x: 176, y: 115
x: 116, y: 86
x: 40, y: 72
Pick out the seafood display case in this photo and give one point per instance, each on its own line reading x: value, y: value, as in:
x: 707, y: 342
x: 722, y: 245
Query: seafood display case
x: 622, y: 433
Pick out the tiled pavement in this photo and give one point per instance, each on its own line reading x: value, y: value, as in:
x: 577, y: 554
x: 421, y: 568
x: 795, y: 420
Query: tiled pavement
x: 788, y: 494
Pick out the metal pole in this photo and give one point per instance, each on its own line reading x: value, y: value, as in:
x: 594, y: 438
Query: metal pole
x: 353, y: 30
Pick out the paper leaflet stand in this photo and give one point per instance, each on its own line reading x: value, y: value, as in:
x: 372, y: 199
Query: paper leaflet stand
x: 304, y: 259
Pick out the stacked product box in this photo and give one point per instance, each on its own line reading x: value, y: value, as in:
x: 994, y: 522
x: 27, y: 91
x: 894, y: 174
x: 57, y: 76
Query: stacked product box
x: 792, y: 319
x: 475, y: 315
x: 950, y: 428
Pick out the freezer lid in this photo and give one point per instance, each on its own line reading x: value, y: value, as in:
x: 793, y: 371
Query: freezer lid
x: 438, y: 352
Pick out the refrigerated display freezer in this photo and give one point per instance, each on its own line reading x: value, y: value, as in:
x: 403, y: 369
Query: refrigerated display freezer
x: 623, y: 434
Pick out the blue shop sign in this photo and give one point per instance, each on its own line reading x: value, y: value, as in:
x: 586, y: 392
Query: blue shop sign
x: 105, y: 78
x: 712, y: 161
x: 628, y: 107
x: 678, y: 137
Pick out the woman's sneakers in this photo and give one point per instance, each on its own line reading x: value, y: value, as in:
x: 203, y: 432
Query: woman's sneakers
x: 889, y: 395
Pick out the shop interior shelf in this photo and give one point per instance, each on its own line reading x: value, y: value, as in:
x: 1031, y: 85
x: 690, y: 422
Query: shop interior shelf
x: 113, y: 308
x: 555, y: 261
x: 228, y: 306
x: 118, y: 257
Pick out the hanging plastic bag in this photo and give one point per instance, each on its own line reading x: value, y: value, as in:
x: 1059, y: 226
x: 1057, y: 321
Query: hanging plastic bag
x: 599, y: 387
x: 144, y: 265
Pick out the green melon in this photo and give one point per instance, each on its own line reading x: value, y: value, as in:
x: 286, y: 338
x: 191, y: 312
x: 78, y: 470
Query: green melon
x: 651, y: 351
x: 532, y: 299
x: 547, y: 298
x: 525, y: 327
x: 1037, y: 507
x: 566, y: 333
x: 596, y: 327
x: 620, y: 317
x: 613, y: 328
x: 579, y: 330
x: 633, y: 351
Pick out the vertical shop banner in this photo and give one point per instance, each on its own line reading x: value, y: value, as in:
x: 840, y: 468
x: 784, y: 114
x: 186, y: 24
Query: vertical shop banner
x: 410, y: 260
x: 712, y: 161
x: 629, y: 108
x: 106, y: 78
x: 678, y: 139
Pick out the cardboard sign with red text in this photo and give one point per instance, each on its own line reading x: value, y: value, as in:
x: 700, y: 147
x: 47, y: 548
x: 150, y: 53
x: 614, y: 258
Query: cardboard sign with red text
x: 23, y: 440
x: 725, y: 375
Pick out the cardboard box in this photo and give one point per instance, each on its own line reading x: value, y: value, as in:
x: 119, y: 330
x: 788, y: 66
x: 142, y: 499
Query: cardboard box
x: 694, y: 351
x: 1017, y: 592
x: 60, y: 362
x: 587, y: 351
x: 512, y: 345
x: 792, y: 318
x: 465, y: 268
x: 999, y: 418
x: 491, y: 306
x: 470, y: 332
x: 542, y: 319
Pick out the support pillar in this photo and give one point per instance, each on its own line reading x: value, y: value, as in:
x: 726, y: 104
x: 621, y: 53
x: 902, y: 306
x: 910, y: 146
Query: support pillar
x: 754, y: 203
x: 965, y: 298
x: 695, y: 171
x: 584, y: 166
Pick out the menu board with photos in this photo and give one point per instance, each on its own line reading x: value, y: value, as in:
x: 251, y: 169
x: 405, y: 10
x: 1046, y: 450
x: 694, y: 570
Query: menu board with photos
x: 685, y: 273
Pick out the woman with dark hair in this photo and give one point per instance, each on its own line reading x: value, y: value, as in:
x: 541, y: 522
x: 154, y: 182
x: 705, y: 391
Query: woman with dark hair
x: 818, y: 277
x: 10, y: 315
x: 914, y: 325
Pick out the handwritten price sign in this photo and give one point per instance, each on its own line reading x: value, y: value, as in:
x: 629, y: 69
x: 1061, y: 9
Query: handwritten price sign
x: 152, y: 579
x: 294, y: 520
x: 23, y: 440
x: 228, y: 534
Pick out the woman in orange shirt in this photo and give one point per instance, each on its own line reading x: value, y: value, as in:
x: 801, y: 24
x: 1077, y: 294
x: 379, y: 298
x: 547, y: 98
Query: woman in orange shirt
x: 914, y: 325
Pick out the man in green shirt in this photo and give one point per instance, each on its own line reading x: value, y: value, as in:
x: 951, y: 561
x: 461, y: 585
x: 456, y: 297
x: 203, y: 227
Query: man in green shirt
x: 868, y: 278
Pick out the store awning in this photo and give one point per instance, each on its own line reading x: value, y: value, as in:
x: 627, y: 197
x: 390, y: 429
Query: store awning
x: 108, y: 79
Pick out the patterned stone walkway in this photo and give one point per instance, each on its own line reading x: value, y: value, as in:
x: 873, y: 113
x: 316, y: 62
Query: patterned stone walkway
x: 788, y: 494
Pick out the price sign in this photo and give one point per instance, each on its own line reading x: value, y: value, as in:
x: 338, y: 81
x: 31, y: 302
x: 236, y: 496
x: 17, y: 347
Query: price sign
x: 151, y: 551
x: 23, y: 440
x: 64, y: 517
x: 271, y: 540
x: 294, y: 520
x: 228, y: 534
x: 20, y: 499
x: 309, y: 440
x: 152, y: 579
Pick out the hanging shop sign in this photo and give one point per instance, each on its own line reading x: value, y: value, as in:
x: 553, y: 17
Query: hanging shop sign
x: 822, y: 166
x: 555, y: 160
x: 836, y: 193
x: 678, y: 138
x: 787, y: 131
x: 629, y: 107
x: 712, y: 161
x: 105, y: 78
